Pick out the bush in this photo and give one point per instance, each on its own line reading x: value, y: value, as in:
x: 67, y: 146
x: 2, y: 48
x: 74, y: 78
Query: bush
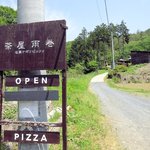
x: 121, y: 68
x: 116, y: 73
x: 116, y: 80
x: 79, y: 68
x: 90, y: 67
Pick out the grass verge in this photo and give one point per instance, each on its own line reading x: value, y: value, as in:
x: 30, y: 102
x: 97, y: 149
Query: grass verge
x: 133, y: 79
x: 142, y: 89
x: 87, y: 126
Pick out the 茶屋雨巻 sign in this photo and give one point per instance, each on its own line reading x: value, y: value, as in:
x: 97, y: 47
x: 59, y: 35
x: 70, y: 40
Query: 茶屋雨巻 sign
x: 34, y: 46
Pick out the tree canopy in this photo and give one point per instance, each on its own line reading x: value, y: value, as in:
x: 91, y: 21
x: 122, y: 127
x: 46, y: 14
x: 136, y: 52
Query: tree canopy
x: 7, y: 15
x: 95, y: 47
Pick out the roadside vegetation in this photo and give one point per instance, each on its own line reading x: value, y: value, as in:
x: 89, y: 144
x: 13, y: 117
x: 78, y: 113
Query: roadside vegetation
x: 87, y: 126
x: 134, y: 79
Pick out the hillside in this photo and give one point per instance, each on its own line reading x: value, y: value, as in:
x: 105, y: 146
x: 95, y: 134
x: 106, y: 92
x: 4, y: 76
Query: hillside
x: 135, y: 79
x: 141, y: 75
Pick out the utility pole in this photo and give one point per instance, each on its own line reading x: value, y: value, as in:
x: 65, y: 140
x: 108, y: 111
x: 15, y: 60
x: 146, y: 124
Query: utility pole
x: 113, y: 51
x: 112, y: 38
x: 31, y: 11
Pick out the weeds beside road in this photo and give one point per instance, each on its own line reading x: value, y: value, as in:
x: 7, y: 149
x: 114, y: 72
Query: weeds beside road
x: 134, y: 79
x: 87, y: 126
x: 141, y: 89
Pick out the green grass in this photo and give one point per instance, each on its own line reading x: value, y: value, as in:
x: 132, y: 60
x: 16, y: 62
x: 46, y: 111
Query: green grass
x: 84, y: 116
x: 135, y: 88
x: 55, y: 118
x: 132, y: 69
x: 87, y: 128
x: 9, y: 111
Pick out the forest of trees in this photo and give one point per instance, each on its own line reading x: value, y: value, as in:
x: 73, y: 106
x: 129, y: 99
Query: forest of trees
x: 92, y: 50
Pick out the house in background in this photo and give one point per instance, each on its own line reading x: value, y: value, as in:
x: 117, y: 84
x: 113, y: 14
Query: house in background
x: 140, y: 57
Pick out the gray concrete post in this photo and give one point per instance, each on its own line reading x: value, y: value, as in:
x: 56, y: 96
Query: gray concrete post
x: 32, y: 11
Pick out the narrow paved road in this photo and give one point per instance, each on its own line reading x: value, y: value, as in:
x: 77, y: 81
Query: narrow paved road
x: 129, y: 115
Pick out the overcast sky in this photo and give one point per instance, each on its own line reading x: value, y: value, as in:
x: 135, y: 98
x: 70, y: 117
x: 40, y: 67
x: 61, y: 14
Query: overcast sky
x: 89, y: 13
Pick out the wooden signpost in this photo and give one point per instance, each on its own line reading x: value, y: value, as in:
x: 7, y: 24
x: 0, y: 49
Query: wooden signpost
x: 27, y: 47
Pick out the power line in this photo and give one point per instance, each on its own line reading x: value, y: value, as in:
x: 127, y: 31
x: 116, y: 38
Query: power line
x: 99, y: 11
x: 106, y: 12
x: 112, y: 38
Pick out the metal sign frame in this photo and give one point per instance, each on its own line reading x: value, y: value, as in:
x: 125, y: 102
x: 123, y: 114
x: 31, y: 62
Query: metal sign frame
x: 56, y: 61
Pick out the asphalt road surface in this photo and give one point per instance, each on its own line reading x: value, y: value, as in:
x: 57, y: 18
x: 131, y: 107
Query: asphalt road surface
x: 129, y: 115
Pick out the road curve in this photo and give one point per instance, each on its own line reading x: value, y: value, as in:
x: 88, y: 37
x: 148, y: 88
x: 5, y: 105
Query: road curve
x: 129, y: 115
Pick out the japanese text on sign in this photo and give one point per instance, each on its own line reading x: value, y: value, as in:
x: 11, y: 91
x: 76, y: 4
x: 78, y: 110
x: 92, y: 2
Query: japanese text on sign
x: 34, y: 44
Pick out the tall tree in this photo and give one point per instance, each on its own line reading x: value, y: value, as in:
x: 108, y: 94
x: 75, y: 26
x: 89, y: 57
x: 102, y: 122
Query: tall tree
x: 83, y: 49
x: 122, y: 34
x: 79, y: 52
x: 74, y: 55
x: 101, y: 37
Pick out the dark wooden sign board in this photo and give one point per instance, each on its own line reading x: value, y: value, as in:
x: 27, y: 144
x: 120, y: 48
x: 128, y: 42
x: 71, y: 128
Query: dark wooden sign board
x: 31, y: 95
x: 32, y: 81
x: 32, y: 137
x: 34, y: 46
x: 27, y: 47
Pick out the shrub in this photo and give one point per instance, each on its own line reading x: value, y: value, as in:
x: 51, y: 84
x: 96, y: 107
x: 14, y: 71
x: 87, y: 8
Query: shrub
x: 116, y: 73
x: 91, y: 66
x: 120, y: 68
x: 75, y: 71
x: 116, y: 79
x: 79, y: 68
